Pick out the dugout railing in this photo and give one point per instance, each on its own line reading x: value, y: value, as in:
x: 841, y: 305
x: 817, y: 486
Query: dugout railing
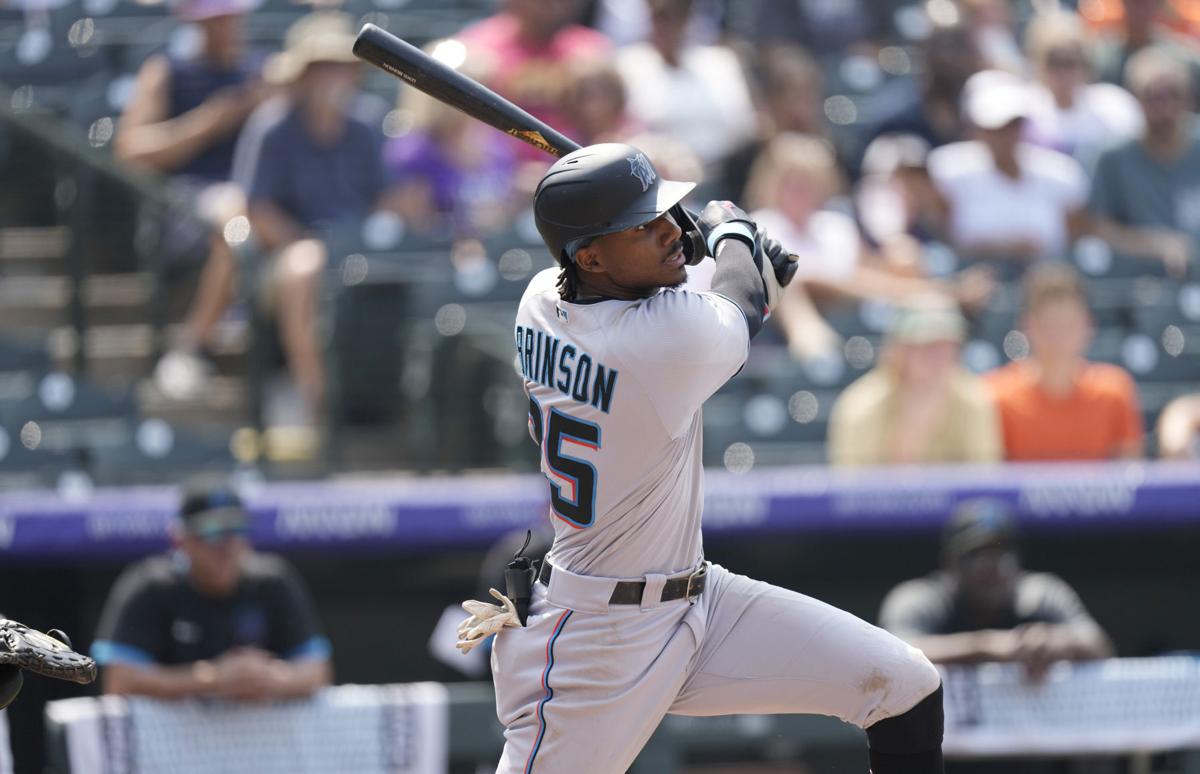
x: 1136, y: 709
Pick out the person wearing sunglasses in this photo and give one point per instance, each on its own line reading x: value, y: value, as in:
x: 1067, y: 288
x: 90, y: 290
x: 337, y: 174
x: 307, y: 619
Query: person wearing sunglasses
x: 212, y: 617
x: 1145, y: 199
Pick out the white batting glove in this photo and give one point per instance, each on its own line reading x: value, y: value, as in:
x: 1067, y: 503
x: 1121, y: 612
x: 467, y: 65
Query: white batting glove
x: 486, y: 619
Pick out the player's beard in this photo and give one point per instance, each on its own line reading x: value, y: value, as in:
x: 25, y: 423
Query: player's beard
x: 684, y: 278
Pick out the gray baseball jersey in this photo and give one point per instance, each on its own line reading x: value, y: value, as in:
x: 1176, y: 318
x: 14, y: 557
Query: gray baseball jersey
x: 615, y: 389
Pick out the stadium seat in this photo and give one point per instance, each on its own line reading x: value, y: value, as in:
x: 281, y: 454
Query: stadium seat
x: 42, y: 56
x: 157, y: 451
x: 367, y: 343
x: 1094, y: 258
x: 848, y: 320
x: 18, y: 356
x: 1176, y: 307
x: 1109, y: 346
x: 24, y: 468
x: 89, y: 101
x: 65, y: 414
x: 1176, y: 354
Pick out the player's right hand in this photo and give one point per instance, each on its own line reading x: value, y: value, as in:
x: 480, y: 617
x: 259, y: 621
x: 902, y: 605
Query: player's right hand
x: 722, y: 219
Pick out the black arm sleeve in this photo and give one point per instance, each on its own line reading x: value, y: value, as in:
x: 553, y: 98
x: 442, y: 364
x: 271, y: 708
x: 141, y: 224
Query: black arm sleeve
x: 739, y: 278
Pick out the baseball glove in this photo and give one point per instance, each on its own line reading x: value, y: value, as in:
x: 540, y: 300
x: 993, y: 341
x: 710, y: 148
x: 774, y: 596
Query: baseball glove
x: 22, y: 648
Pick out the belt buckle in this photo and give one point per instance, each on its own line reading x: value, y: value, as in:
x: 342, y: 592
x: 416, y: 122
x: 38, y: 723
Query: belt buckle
x: 696, y: 577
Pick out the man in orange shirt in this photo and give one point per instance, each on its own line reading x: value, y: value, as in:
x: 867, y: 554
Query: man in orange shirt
x: 1055, y: 404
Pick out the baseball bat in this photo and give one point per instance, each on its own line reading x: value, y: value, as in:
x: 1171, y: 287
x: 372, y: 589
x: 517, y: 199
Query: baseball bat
x: 410, y: 64
x: 445, y: 84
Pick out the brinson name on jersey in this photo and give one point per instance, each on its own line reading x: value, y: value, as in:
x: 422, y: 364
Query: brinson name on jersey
x: 546, y: 360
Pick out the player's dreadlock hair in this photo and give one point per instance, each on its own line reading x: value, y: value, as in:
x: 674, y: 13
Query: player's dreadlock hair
x: 568, y: 282
x: 568, y: 276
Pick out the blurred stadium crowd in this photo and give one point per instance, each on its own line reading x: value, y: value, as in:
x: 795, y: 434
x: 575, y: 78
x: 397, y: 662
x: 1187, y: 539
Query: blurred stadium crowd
x: 224, y: 242
x: 228, y: 247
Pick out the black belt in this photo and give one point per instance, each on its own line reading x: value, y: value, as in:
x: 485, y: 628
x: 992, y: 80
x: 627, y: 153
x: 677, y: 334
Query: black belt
x: 630, y: 592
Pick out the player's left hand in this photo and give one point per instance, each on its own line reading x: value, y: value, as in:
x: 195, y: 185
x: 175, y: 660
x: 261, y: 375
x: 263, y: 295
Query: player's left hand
x: 485, y: 620
x: 782, y: 261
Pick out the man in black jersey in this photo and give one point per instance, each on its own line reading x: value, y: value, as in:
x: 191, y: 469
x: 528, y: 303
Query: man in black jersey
x: 212, y: 618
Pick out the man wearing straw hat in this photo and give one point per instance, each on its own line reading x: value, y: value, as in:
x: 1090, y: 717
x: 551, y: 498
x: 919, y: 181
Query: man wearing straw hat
x: 309, y: 161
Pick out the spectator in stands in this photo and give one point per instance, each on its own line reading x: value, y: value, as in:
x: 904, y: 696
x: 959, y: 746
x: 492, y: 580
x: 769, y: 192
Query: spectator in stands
x: 1055, y: 404
x: 527, y: 50
x: 824, y: 28
x: 791, y: 100
x: 918, y: 406
x: 213, y: 618
x: 1007, y: 200
x: 792, y: 184
x: 1136, y: 25
x: 993, y: 29
x: 596, y: 102
x: 930, y: 108
x: 182, y: 121
x: 628, y: 21
x: 452, y: 175
x: 310, y: 161
x: 792, y: 190
x: 793, y: 88
x: 895, y: 198
x: 697, y: 94
x: 1145, y: 198
x: 1179, y: 429
x: 1180, y: 17
x: 982, y: 606
x: 1068, y: 112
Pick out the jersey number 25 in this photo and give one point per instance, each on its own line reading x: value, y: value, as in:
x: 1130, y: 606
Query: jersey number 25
x: 580, y: 509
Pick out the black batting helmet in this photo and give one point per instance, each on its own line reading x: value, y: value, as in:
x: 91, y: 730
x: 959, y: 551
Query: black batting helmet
x: 602, y: 189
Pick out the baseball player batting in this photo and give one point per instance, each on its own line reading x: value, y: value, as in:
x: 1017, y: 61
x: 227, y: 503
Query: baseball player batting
x: 625, y: 621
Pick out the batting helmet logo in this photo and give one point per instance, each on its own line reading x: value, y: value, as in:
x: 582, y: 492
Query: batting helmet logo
x: 639, y: 167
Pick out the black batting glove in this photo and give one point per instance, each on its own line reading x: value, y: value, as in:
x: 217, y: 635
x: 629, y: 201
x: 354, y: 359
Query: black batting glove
x: 782, y: 261
x: 721, y: 220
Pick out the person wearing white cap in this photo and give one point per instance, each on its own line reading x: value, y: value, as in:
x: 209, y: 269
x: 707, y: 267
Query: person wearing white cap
x: 1069, y: 112
x: 182, y: 121
x: 1007, y: 199
x: 918, y: 405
